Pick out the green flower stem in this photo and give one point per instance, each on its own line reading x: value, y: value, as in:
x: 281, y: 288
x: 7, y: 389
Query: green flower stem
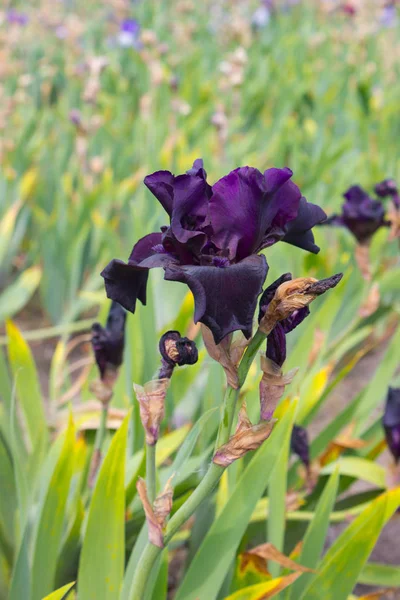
x: 207, y: 484
x: 151, y: 471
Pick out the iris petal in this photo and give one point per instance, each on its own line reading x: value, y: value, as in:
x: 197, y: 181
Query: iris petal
x: 225, y: 298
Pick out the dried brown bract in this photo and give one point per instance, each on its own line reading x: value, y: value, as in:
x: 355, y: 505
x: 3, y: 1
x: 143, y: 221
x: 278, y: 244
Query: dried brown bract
x: 156, y: 514
x: 247, y: 437
x: 272, y: 386
x: 151, y: 398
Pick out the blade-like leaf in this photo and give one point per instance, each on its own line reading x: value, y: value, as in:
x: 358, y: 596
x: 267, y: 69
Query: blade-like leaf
x: 376, y: 574
x: 101, y: 565
x: 61, y: 593
x: 27, y: 383
x: 211, y: 563
x: 314, y: 539
x: 18, y: 294
x: 52, y: 517
x: 359, y: 468
x: 350, y: 551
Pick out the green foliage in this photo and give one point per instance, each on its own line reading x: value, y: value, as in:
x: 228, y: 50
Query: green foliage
x: 314, y: 91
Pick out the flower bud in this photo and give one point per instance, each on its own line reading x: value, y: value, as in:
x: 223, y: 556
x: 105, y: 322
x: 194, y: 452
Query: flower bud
x: 299, y: 444
x: 293, y: 296
x: 176, y: 350
x: 108, y: 343
x: 246, y: 437
x: 156, y: 514
x: 151, y: 398
x: 272, y: 386
x: 387, y: 187
x: 391, y: 422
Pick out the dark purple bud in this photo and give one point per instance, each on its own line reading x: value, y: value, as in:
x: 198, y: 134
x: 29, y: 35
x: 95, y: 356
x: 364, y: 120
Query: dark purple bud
x: 323, y: 285
x: 299, y: 444
x: 108, y: 341
x: 276, y: 345
x: 176, y: 350
x: 391, y: 422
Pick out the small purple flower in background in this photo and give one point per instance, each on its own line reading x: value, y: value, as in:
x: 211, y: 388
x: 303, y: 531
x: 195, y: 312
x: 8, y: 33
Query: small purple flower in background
x: 361, y: 215
x: 388, y: 16
x: 299, y: 444
x: 213, y: 241
x: 108, y: 342
x: 128, y: 35
x: 391, y: 422
x: 262, y: 15
x: 17, y: 18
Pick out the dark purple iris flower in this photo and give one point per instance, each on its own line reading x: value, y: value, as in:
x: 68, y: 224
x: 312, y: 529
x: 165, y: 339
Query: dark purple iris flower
x: 299, y: 444
x: 391, y: 422
x: 108, y: 342
x: 16, y: 17
x: 388, y: 188
x: 362, y: 215
x: 213, y: 240
x: 276, y: 340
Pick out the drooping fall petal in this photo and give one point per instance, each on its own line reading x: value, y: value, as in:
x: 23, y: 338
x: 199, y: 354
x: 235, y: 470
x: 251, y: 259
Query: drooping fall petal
x: 226, y: 297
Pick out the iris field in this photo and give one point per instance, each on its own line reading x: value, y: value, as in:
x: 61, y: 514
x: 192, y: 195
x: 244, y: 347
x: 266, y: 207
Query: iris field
x: 180, y: 438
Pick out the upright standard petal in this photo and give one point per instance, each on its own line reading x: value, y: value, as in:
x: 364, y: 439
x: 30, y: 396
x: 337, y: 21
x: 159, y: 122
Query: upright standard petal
x: 161, y: 185
x: 249, y: 210
x: 225, y: 298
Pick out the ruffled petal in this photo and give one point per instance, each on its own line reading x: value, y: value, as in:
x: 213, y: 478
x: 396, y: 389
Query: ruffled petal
x: 144, y: 247
x: 225, y: 298
x: 161, y: 185
x: 127, y: 282
x: 190, y: 209
x: 298, y: 231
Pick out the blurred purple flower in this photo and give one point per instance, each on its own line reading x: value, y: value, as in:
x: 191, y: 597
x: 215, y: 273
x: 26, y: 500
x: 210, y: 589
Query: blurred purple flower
x: 128, y: 36
x: 16, y: 17
x: 262, y: 15
x: 388, y: 188
x: 213, y: 241
x: 362, y: 215
x: 388, y: 16
x: 391, y: 422
x: 276, y: 340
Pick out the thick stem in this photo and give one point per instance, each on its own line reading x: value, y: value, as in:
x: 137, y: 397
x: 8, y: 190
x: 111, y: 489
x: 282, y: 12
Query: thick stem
x: 151, y: 471
x: 209, y: 481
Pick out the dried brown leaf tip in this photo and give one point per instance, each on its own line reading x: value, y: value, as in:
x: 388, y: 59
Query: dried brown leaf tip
x: 246, y: 437
x: 272, y: 386
x: 270, y: 552
x: 294, y: 295
x: 156, y: 514
x: 151, y: 398
x: 227, y: 353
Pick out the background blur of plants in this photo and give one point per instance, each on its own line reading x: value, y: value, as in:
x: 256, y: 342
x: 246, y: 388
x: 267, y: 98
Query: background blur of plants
x: 95, y: 95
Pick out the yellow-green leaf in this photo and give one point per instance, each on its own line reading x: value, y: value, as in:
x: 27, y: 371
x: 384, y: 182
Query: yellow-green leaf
x: 360, y: 468
x: 347, y: 556
x: 52, y: 518
x: 102, y: 560
x: 60, y: 594
x: 263, y: 591
x: 18, y: 294
x: 27, y: 383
